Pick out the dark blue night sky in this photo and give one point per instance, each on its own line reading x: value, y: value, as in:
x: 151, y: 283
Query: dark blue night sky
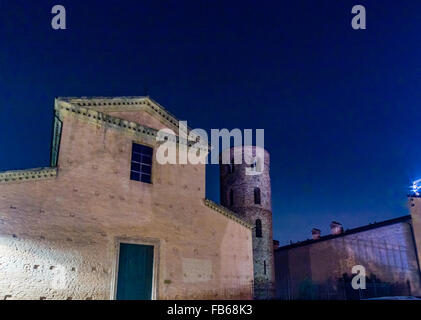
x: 340, y: 108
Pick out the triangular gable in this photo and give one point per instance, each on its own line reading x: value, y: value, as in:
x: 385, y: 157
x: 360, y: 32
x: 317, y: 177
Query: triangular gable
x: 142, y: 117
x: 141, y: 110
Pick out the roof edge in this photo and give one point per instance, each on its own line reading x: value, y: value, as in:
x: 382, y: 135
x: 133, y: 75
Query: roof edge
x: 347, y: 232
x: 226, y: 212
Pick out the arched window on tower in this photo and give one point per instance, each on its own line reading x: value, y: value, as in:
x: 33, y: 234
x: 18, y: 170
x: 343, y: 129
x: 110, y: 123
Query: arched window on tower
x: 253, y: 165
x: 256, y: 167
x: 231, y: 197
x: 258, y: 228
x: 257, y: 196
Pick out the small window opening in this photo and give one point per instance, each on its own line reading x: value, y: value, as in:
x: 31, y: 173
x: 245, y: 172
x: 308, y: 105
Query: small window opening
x: 257, y: 199
x: 258, y: 228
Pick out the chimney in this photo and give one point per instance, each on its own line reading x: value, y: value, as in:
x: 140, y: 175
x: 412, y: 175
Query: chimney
x: 275, y: 244
x: 336, y: 228
x: 315, y: 233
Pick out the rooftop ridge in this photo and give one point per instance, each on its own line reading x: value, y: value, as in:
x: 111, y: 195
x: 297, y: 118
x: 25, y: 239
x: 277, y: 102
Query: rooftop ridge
x: 226, y: 212
x: 347, y: 232
x: 101, y: 97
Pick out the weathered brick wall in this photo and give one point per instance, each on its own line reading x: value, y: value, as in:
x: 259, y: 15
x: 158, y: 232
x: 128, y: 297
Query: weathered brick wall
x: 243, y: 186
x: 415, y: 209
x: 386, y: 252
x: 70, y: 224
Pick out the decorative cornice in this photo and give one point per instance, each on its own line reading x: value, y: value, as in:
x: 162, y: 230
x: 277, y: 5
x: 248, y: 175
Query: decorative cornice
x: 27, y: 175
x: 129, y: 103
x: 84, y: 111
x: 226, y: 212
x: 112, y: 104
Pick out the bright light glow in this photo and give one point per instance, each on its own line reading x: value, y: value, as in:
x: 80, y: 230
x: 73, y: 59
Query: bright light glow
x: 416, y: 187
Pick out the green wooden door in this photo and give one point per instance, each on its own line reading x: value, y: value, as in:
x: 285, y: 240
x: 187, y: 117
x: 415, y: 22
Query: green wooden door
x: 135, y: 270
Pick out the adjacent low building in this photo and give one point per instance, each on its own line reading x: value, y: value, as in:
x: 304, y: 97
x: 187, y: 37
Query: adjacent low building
x: 321, y: 267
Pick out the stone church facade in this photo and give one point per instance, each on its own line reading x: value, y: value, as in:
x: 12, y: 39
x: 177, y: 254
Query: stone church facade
x: 66, y: 230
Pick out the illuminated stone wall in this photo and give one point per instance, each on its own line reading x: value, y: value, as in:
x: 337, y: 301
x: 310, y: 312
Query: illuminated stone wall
x: 415, y: 209
x: 58, y: 234
x: 313, y: 269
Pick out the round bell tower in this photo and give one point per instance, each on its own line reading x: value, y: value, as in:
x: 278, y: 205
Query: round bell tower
x: 246, y: 190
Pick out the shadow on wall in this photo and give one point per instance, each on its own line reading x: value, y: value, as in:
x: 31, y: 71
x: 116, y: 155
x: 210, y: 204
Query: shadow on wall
x: 341, y: 289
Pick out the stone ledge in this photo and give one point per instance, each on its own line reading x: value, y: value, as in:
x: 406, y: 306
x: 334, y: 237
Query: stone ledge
x: 226, y: 212
x: 27, y: 175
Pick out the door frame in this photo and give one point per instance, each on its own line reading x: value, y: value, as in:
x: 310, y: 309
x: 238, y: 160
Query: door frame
x: 155, y: 267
